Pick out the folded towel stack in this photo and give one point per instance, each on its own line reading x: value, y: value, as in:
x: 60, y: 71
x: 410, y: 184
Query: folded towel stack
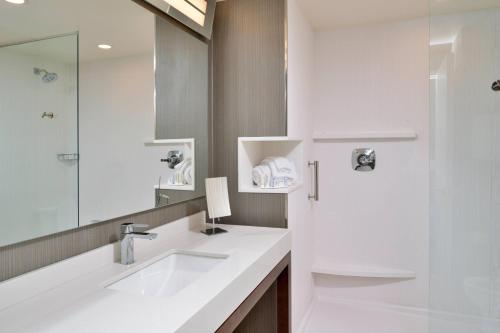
x: 183, y: 174
x: 274, y: 172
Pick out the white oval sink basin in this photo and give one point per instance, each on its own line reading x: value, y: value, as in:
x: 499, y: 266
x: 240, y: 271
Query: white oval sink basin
x: 169, y: 275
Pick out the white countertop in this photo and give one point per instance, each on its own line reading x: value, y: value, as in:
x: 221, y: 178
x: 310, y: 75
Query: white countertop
x: 70, y: 296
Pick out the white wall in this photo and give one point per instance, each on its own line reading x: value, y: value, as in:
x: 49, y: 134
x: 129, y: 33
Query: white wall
x: 300, y: 84
x: 117, y: 171
x: 373, y: 78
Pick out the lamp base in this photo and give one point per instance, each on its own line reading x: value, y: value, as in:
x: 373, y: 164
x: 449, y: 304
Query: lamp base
x: 213, y: 231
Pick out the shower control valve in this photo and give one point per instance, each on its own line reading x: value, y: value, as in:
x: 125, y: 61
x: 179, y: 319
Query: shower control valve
x: 363, y: 159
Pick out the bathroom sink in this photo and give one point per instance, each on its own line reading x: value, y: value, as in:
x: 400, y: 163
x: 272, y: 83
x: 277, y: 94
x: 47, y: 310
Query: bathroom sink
x: 169, y: 275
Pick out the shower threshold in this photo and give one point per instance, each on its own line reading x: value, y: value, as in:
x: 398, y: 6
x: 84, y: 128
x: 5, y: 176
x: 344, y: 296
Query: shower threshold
x: 327, y: 315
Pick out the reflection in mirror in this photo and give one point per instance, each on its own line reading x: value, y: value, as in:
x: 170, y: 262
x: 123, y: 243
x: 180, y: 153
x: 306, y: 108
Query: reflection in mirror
x: 182, y: 107
x: 38, y: 137
x: 80, y: 141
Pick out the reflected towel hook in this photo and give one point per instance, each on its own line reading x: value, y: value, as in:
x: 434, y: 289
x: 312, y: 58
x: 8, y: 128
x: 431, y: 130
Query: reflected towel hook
x: 49, y: 115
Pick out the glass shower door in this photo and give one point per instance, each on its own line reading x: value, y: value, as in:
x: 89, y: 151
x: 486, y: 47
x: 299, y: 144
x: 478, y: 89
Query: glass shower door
x: 465, y: 166
x: 38, y: 138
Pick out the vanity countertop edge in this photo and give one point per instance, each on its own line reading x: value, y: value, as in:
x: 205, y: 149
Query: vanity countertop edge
x: 71, y: 295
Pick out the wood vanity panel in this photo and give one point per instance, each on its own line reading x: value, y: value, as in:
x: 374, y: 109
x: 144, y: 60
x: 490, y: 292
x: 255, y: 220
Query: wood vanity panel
x: 263, y: 317
x: 267, y: 309
x: 249, y: 96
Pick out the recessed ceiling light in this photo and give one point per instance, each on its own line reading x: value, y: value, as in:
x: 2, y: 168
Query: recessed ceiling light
x: 104, y: 46
x: 17, y: 2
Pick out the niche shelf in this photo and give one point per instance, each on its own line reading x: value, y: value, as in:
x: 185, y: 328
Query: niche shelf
x: 357, y: 136
x: 164, y: 146
x: 166, y: 186
x: 252, y: 150
x: 362, y: 271
x: 169, y: 142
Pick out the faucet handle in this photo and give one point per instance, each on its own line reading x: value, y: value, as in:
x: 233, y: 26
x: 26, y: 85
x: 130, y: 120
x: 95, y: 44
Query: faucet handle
x: 127, y: 228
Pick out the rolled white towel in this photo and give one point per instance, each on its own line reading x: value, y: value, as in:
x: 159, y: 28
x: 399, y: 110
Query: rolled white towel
x: 180, y: 176
x: 276, y: 173
x: 188, y: 175
x: 258, y: 175
x: 281, y: 182
x: 261, y: 175
x: 182, y: 170
x: 182, y: 166
x: 283, y: 164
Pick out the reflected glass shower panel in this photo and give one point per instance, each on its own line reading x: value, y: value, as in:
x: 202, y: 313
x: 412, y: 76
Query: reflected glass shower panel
x: 38, y: 123
x: 465, y: 163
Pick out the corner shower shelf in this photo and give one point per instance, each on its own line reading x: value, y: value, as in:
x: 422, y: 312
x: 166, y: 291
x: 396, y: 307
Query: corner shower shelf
x: 252, y: 150
x: 363, y: 271
x: 357, y: 136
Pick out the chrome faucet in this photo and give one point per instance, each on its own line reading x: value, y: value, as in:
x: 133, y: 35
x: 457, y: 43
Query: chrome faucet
x: 127, y: 236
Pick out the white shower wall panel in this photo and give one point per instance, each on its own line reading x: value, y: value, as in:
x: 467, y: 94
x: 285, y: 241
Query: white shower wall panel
x: 373, y: 79
x: 38, y: 192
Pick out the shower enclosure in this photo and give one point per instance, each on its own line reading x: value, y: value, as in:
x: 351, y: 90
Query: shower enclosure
x: 465, y: 164
x: 38, y: 138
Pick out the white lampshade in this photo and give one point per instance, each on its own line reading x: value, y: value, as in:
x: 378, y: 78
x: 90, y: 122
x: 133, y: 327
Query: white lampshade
x: 217, y: 197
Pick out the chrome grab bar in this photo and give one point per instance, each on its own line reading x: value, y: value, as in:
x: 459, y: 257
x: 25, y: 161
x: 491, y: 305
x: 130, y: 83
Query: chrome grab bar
x: 315, y: 195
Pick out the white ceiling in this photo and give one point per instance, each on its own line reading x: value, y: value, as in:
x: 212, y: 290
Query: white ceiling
x: 454, y: 6
x: 328, y: 14
x: 125, y: 25
x: 325, y: 14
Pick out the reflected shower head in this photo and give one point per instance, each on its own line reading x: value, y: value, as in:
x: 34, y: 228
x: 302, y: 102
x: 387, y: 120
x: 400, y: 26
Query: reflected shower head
x: 46, y: 76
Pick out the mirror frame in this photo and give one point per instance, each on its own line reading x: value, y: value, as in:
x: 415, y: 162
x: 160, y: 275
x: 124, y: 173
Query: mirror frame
x: 205, y: 31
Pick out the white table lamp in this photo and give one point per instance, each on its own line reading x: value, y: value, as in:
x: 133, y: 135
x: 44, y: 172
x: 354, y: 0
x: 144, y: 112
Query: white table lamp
x: 217, y: 202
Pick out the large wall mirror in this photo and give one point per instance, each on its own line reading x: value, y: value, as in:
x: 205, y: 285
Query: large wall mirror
x: 103, y: 113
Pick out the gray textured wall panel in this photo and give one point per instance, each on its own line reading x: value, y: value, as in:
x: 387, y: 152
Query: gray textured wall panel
x: 249, y: 96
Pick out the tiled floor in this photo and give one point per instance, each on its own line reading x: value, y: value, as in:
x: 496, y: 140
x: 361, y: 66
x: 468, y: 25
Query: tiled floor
x: 348, y: 317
